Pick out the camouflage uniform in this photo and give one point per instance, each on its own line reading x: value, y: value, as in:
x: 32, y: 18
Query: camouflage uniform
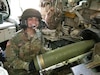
x: 21, y: 50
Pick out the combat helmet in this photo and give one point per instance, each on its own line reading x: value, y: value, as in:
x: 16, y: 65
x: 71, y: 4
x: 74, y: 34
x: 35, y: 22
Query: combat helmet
x: 29, y: 13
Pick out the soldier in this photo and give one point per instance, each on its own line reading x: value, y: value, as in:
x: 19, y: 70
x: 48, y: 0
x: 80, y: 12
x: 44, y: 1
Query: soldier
x: 25, y: 45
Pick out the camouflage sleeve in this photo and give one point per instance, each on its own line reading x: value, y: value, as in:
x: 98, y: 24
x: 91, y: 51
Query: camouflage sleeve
x: 12, y: 57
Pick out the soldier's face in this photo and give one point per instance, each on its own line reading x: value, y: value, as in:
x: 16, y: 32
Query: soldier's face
x: 33, y: 22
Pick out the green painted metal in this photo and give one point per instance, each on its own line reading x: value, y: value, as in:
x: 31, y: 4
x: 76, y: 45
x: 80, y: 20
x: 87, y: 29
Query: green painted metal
x: 64, y: 53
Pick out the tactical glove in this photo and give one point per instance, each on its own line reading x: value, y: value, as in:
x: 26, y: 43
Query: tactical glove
x: 32, y: 66
x: 89, y: 34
